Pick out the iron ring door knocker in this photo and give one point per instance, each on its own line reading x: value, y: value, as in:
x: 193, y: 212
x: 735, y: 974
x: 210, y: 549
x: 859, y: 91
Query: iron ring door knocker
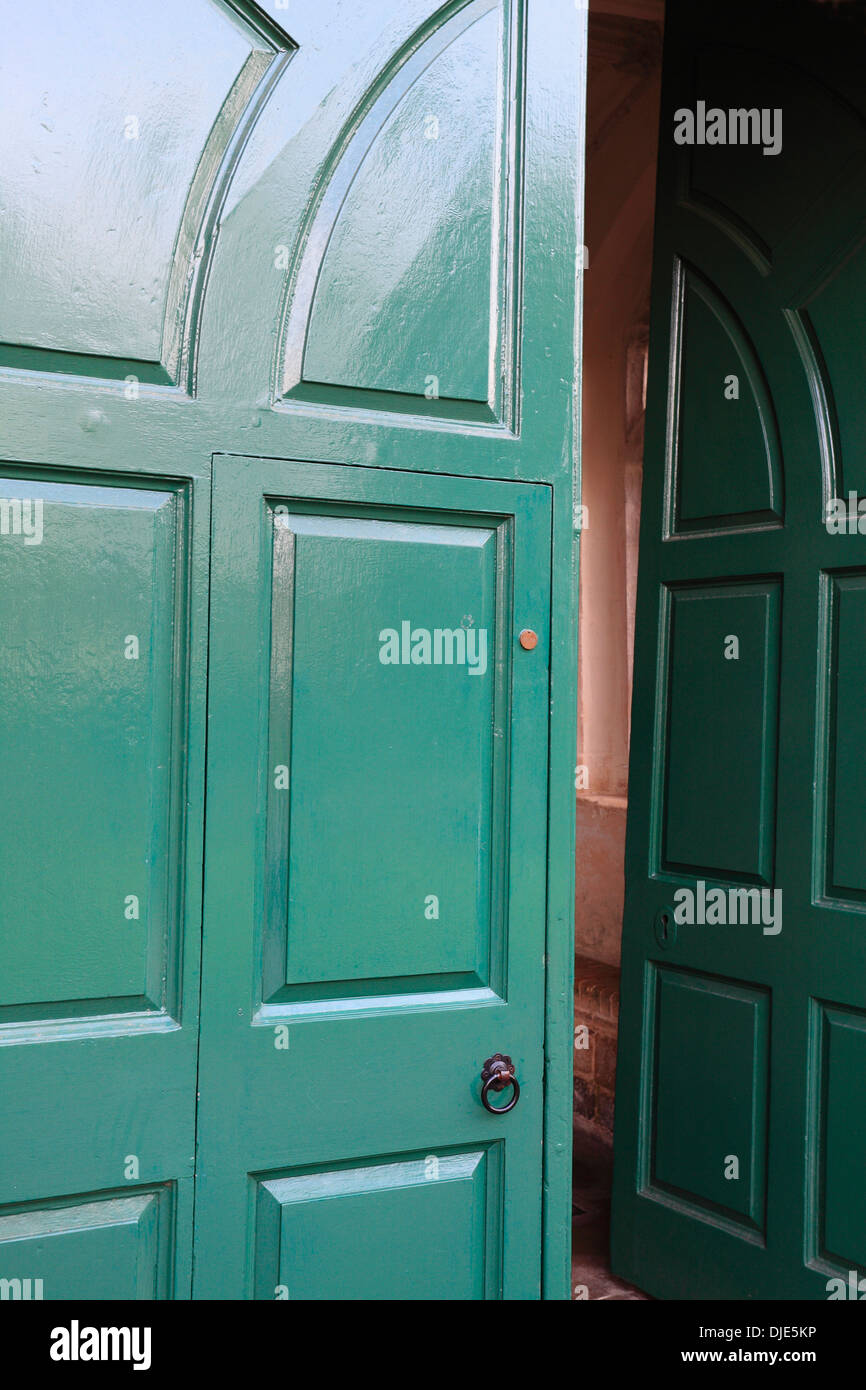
x: 496, y: 1075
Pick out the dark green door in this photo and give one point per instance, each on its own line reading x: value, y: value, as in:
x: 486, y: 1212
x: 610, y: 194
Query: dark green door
x: 740, y: 1142
x: 374, y: 893
x: 314, y: 264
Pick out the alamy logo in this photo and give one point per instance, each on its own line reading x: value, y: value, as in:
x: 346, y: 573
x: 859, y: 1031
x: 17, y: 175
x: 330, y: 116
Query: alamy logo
x: 846, y: 516
x: 23, y: 1289
x: 854, y: 1288
x: 441, y: 646
x: 76, y: 1343
x: 738, y: 126
x: 732, y: 907
x: 22, y: 516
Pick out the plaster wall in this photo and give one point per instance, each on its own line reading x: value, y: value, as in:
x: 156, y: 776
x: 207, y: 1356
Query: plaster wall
x: 624, y: 87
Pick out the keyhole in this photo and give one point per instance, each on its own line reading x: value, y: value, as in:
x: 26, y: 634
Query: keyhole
x: 665, y: 927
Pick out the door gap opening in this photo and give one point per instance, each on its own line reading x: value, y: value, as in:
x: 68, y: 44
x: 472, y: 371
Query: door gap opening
x: 623, y: 92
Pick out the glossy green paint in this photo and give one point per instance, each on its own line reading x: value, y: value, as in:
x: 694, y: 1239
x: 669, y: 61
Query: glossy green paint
x: 103, y: 668
x: 747, y: 1041
x: 375, y: 869
x: 217, y: 239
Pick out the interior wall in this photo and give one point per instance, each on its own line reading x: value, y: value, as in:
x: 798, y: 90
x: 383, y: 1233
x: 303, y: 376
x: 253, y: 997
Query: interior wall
x: 622, y: 133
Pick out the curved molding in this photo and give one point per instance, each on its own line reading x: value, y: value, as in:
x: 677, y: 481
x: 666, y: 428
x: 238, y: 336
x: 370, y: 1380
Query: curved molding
x: 809, y: 86
x: 735, y: 228
x: 217, y: 163
x: 688, y: 278
x: 336, y: 176
x: 271, y: 51
x: 200, y: 222
x: 823, y: 401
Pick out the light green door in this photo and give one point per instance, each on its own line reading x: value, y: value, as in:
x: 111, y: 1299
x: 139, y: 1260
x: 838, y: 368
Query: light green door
x: 316, y: 264
x: 739, y: 1140
x: 104, y: 616
x: 375, y: 887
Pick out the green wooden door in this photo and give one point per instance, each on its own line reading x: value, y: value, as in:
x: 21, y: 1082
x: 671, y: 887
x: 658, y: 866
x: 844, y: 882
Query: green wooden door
x: 739, y: 1139
x: 316, y: 263
x: 104, y: 616
x: 374, y: 892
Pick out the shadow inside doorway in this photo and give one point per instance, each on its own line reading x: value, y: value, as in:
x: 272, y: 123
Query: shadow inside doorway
x: 591, y: 1276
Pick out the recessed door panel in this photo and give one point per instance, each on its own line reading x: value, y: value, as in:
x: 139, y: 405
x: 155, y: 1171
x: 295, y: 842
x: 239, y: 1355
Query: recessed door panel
x: 382, y: 1231
x: 101, y: 714
x: 837, y: 1234
x: 428, y: 190
x: 106, y: 286
x: 385, y: 766
x: 725, y: 456
x: 401, y: 286
x: 95, y: 627
x: 116, y: 1246
x: 707, y: 1111
x: 722, y: 655
x: 843, y: 754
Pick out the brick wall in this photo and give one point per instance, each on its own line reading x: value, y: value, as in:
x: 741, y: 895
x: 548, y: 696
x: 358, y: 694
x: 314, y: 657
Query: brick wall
x: 596, y: 1011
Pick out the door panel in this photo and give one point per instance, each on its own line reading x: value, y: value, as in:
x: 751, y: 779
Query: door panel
x: 696, y: 1107
x: 375, y: 895
x: 738, y: 702
x: 153, y: 130
x: 401, y: 292
x: 98, y: 955
x: 113, y: 1245
x: 96, y: 754
x: 392, y: 1224
x: 741, y: 1066
x: 411, y: 216
x: 359, y: 731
